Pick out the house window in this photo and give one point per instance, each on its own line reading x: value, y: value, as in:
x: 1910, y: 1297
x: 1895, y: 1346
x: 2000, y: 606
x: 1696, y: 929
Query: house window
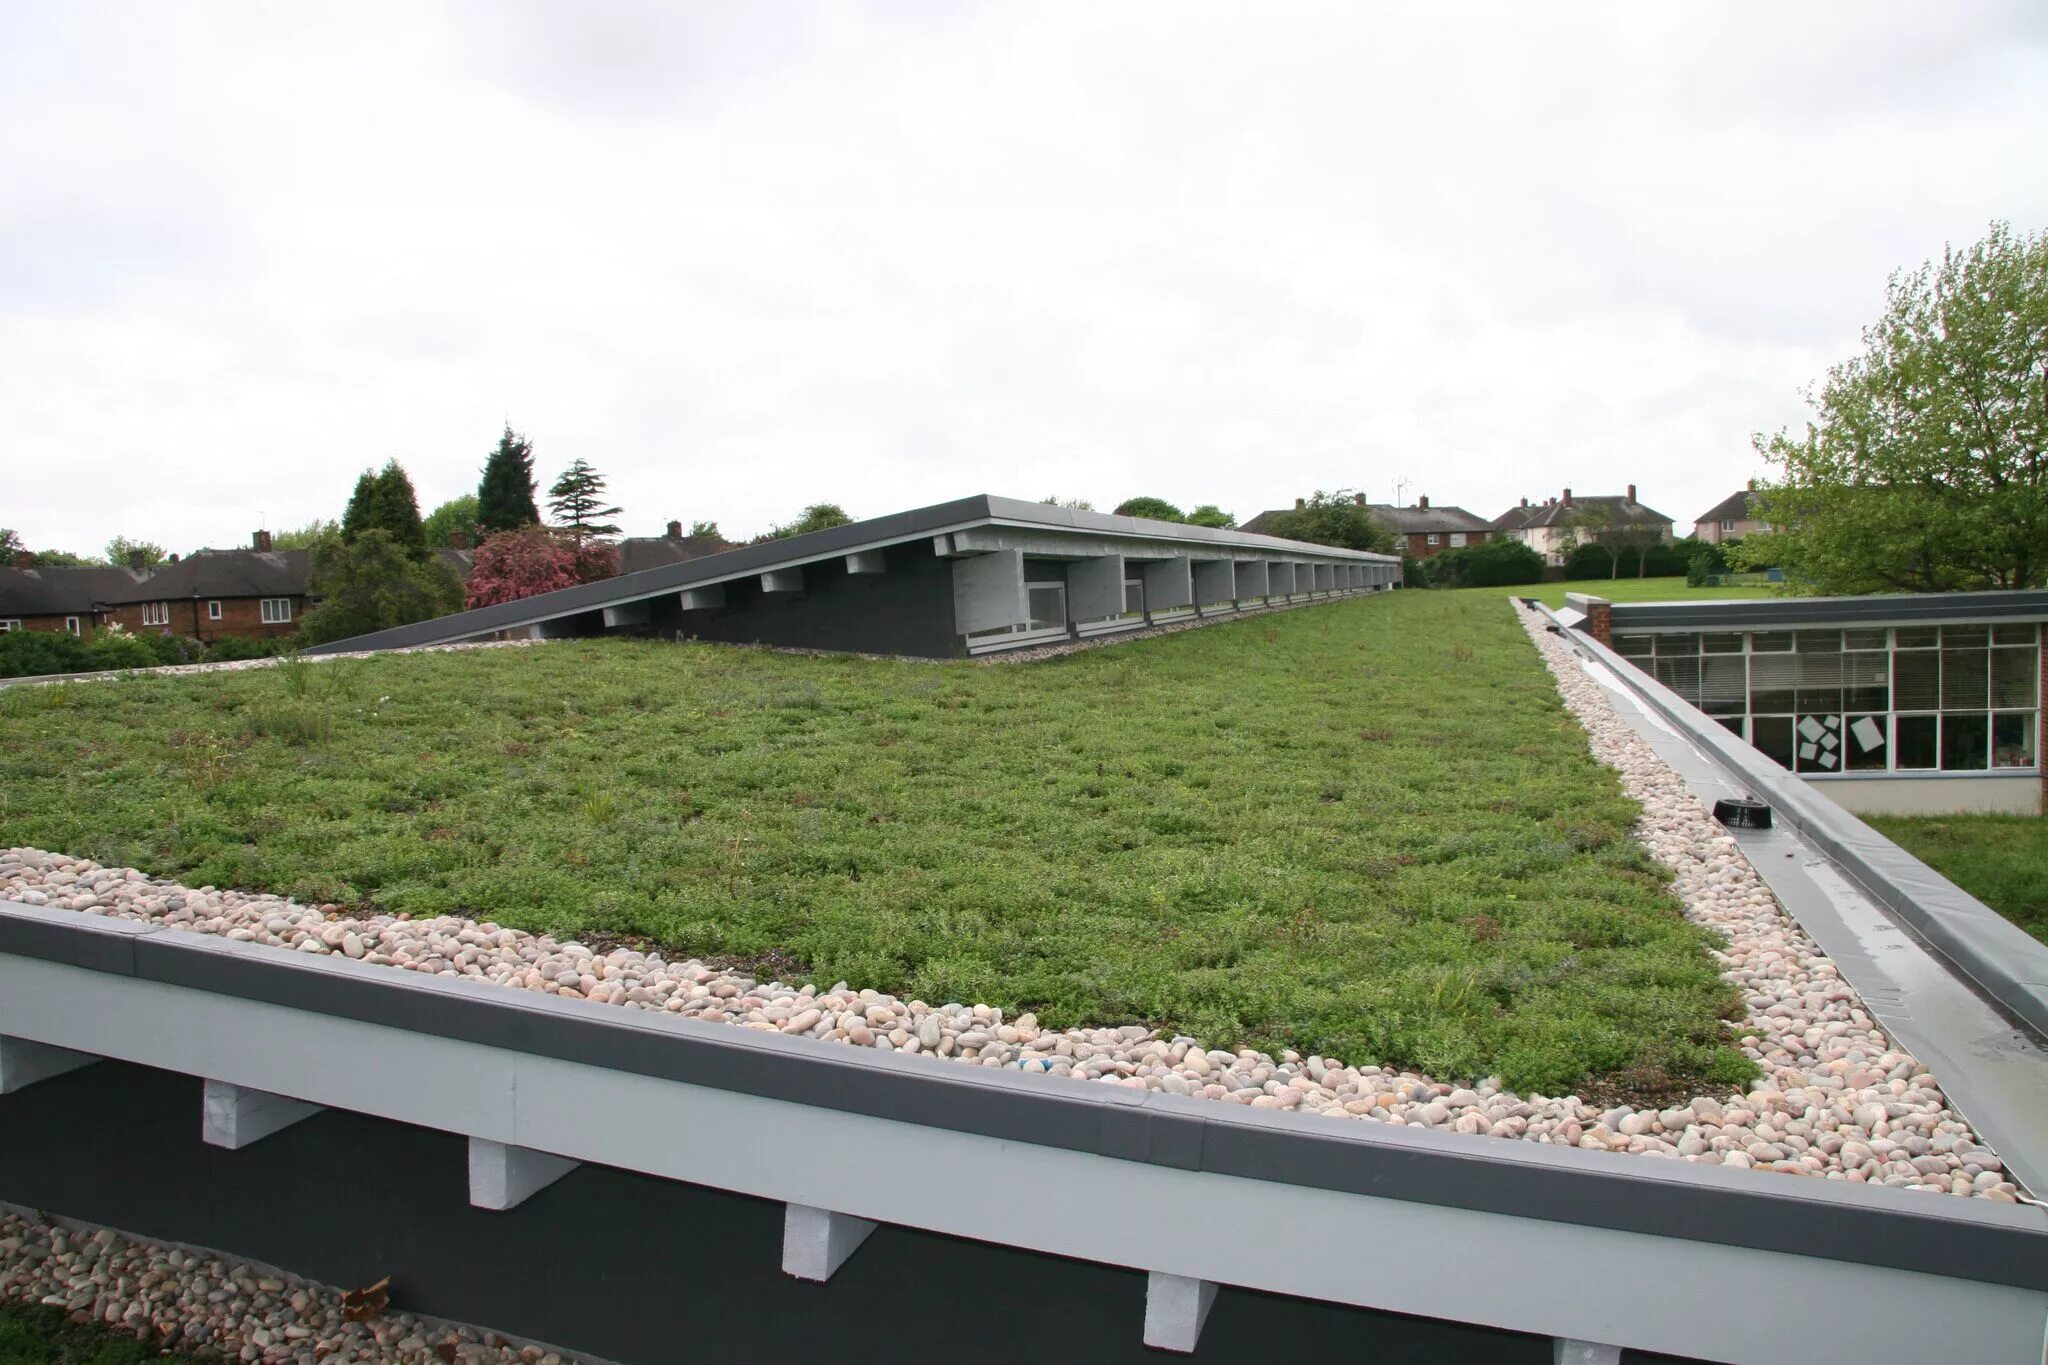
x: 6, y: 626
x: 213, y: 610
x: 1726, y: 527
x: 1457, y: 539
x: 156, y: 613
x: 277, y: 610
x: 1435, y: 539
x: 71, y: 624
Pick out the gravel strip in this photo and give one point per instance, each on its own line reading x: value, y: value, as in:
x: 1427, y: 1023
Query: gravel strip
x: 201, y: 1304
x: 1838, y: 1101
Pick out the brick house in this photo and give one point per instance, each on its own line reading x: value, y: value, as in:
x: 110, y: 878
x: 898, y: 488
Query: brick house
x: 652, y: 552
x: 1545, y: 527
x: 1422, y: 530
x: 256, y: 593
x: 60, y: 598
x: 1732, y: 518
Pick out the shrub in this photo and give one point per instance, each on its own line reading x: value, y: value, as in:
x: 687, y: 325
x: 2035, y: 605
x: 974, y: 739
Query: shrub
x: 174, y: 649
x: 231, y: 648
x: 512, y: 565
x: 28, y: 653
x: 372, y: 583
x: 116, y: 648
x: 1490, y: 564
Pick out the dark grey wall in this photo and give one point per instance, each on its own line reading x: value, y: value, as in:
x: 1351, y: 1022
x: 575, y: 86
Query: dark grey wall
x: 908, y: 610
x: 622, y: 1266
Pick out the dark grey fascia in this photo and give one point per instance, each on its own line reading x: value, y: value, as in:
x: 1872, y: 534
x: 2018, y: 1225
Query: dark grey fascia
x: 1972, y: 1240
x: 935, y: 521
x: 1768, y: 613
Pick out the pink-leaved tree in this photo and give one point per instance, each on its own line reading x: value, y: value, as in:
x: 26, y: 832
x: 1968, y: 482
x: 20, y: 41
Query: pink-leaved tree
x: 532, y: 560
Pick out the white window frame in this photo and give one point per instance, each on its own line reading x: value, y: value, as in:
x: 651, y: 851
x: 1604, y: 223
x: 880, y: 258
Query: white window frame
x: 1457, y: 540
x: 71, y: 624
x: 156, y: 613
x: 1434, y: 539
x: 213, y: 609
x: 9, y: 625
x: 276, y: 611
x: 1726, y: 527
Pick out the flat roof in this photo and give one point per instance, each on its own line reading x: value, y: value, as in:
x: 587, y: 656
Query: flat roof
x: 876, y: 532
x: 1907, y: 608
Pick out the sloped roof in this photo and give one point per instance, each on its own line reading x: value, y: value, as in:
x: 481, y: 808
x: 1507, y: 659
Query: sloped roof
x: 1620, y: 511
x: 1416, y: 520
x: 461, y: 561
x: 1734, y: 507
x: 1264, y: 522
x: 223, y: 573
x: 61, y: 591
x: 651, y: 552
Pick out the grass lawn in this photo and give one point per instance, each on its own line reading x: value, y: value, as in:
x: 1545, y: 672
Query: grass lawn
x: 1368, y: 829
x: 36, y: 1334
x: 1634, y: 590
x: 2002, y: 860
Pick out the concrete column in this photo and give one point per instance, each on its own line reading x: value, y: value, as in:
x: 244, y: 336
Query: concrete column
x: 233, y: 1116
x: 867, y: 561
x: 23, y: 1063
x: 1567, y: 1351
x: 1169, y: 584
x: 988, y: 592
x: 1213, y: 582
x: 816, y: 1242
x: 504, y: 1177
x: 1095, y: 588
x: 626, y: 614
x: 1175, y: 1309
x: 1279, y: 579
x: 783, y: 580
x: 704, y: 599
x: 1253, y: 579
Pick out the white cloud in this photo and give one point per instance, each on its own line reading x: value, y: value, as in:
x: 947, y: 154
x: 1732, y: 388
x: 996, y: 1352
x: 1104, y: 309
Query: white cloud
x: 746, y: 258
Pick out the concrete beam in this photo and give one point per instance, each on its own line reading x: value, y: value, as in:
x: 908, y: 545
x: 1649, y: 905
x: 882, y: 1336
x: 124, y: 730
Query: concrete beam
x: 704, y: 599
x: 1095, y: 588
x: 867, y: 561
x: 1169, y: 584
x: 783, y: 580
x: 1175, y: 1309
x: 627, y: 614
x: 1213, y: 582
x: 1280, y: 578
x: 233, y: 1116
x: 23, y: 1063
x: 988, y: 592
x: 1567, y: 1351
x: 502, y: 1176
x: 816, y: 1242
x: 1253, y: 579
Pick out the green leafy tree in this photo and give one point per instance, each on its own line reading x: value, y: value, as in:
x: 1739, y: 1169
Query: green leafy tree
x: 706, y: 528
x: 819, y: 516
x: 11, y: 544
x: 60, y: 559
x: 307, y: 537
x: 577, y: 501
x: 121, y: 552
x: 1072, y: 504
x: 1922, y: 468
x: 1336, y: 518
x: 373, y: 583
x: 1489, y: 564
x: 504, y: 499
x: 1153, y: 509
x: 457, y: 515
x: 385, y: 501
x: 1209, y: 514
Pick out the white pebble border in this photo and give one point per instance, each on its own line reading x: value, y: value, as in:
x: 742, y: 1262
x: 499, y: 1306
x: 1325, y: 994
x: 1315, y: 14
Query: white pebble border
x: 1839, y: 1101
x: 203, y: 1305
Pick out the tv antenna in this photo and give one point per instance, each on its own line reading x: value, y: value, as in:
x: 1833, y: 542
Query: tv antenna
x: 1400, y: 491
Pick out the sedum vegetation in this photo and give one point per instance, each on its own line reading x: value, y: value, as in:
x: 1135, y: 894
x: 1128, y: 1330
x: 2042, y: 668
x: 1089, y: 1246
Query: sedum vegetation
x: 1368, y: 829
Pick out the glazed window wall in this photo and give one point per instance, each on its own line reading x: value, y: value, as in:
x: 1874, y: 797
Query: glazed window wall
x: 1918, y: 699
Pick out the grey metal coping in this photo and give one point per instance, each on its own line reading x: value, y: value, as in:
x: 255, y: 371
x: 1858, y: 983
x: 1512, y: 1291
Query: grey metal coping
x: 1974, y: 1240
x: 961, y: 514
x: 2009, y: 966
x: 1759, y: 613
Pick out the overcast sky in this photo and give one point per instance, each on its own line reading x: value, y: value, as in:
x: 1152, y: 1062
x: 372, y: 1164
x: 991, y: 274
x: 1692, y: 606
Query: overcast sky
x: 746, y: 258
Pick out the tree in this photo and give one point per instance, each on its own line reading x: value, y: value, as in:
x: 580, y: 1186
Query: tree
x: 819, y: 516
x: 453, y: 517
x: 1209, y: 514
x: 1489, y: 564
x: 374, y: 583
x: 314, y: 533
x: 1153, y: 509
x: 385, y: 501
x: 1588, y: 525
x: 504, y: 499
x: 1337, y: 518
x: 705, y: 528
x: 1922, y: 467
x: 11, y: 544
x: 60, y: 559
x: 511, y: 565
x: 1072, y: 504
x: 121, y: 552
x: 575, y: 500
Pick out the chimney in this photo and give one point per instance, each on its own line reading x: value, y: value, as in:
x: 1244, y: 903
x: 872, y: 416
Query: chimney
x: 135, y: 560
x: 1631, y: 494
x: 1358, y: 498
x: 1525, y: 502
x: 1752, y: 485
x: 1300, y: 503
x: 1567, y: 497
x: 675, y: 530
x: 25, y: 560
x: 1422, y: 504
x: 458, y: 540
x: 261, y: 540
x: 174, y: 557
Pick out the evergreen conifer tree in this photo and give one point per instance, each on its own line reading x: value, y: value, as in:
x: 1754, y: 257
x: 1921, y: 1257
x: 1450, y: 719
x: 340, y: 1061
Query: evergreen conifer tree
x: 576, y: 501
x: 384, y: 501
x: 504, y: 500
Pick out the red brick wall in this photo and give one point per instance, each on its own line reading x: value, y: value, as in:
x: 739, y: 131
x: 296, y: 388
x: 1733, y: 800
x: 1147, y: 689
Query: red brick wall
x: 240, y: 616
x: 1420, y: 548
x: 86, y: 621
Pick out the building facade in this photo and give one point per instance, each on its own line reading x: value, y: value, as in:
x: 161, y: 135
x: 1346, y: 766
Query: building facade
x: 1732, y: 518
x: 1552, y: 527
x: 69, y: 599
x: 1422, y: 531
x: 258, y: 593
